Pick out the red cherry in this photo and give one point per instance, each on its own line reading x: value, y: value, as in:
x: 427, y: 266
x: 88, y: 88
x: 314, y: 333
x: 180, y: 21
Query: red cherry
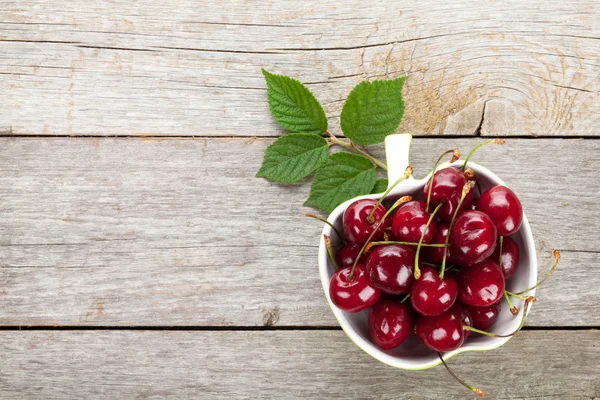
x: 435, y: 255
x: 357, y: 228
x: 442, y: 332
x: 481, y: 284
x: 390, y: 323
x: 431, y: 295
x: 352, y: 295
x: 484, y: 317
x: 503, y: 207
x: 391, y: 268
x: 447, y: 186
x: 410, y: 221
x: 510, y: 257
x: 464, y: 315
x: 473, y: 238
x: 346, y: 255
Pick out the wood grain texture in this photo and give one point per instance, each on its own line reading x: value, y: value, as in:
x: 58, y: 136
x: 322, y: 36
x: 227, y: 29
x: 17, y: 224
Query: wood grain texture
x: 118, y: 232
x: 193, y: 68
x: 275, y: 365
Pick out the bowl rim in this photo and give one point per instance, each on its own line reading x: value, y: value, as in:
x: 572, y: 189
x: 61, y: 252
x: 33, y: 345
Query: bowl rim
x: 365, y: 345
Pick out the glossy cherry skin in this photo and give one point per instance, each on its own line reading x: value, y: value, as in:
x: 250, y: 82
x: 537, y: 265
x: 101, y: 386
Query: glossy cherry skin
x: 447, y: 186
x: 357, y: 228
x: 410, y: 221
x: 442, y: 332
x: 346, y: 255
x: 352, y: 295
x: 503, y: 207
x: 435, y: 255
x: 510, y: 257
x: 461, y: 311
x: 430, y: 295
x: 481, y: 285
x: 390, y: 323
x: 473, y: 238
x: 484, y: 317
x: 391, y: 268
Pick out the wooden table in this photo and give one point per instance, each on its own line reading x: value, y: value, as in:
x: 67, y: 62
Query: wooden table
x: 139, y: 256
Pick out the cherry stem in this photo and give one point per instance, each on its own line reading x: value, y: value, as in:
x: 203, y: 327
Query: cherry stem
x: 475, y: 390
x: 386, y: 242
x: 496, y: 141
x: 455, y: 156
x: 400, y: 201
x: 500, y: 252
x: 351, y: 146
x: 513, y: 310
x: 407, y: 173
x: 469, y: 173
x: 405, y: 298
x: 309, y: 215
x: 556, y: 254
x: 514, y: 295
x: 329, y: 248
x: 528, y: 300
x: 465, y: 191
x: 431, y: 217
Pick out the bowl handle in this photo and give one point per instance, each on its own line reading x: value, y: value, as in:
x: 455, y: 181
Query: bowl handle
x: 397, y: 151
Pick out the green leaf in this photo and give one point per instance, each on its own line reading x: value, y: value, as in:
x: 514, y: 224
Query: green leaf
x: 373, y: 110
x: 294, y: 106
x: 342, y: 177
x: 292, y: 157
x: 380, y: 186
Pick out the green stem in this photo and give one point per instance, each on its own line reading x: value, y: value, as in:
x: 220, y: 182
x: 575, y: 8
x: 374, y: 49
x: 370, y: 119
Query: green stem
x: 528, y: 300
x: 514, y: 310
x: 398, y: 202
x: 475, y: 390
x: 456, y: 156
x: 351, y: 146
x: 431, y: 217
x: 407, y: 173
x: 466, y: 189
x: 497, y: 141
x: 556, y: 254
x: 500, y: 252
x: 309, y: 215
x: 330, y: 251
x: 405, y: 243
x: 405, y: 298
x: 518, y: 296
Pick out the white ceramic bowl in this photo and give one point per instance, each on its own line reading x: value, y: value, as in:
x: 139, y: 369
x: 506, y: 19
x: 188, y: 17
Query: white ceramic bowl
x: 412, y: 355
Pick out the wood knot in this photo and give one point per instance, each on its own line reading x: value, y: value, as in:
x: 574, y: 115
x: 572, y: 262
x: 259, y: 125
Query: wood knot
x: 270, y: 316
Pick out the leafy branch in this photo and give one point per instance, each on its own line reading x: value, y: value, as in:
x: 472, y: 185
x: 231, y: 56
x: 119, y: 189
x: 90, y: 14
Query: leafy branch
x: 372, y: 111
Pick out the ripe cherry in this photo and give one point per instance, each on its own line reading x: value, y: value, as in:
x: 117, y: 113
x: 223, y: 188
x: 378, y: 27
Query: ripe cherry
x: 431, y: 295
x: 410, y: 222
x: 464, y: 315
x: 346, y: 256
x: 391, y: 268
x: 484, y: 317
x: 447, y: 187
x: 481, y: 284
x: 352, y: 295
x: 473, y: 238
x: 442, y: 332
x: 510, y: 257
x: 504, y: 209
x: 390, y: 323
x: 435, y: 255
x: 357, y: 227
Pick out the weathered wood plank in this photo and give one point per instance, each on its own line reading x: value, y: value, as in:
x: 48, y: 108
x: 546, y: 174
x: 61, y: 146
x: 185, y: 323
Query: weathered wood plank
x: 179, y: 232
x: 281, y: 364
x: 193, y: 68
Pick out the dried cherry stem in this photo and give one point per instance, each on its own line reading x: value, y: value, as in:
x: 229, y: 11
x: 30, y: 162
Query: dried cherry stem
x: 513, y: 310
x: 528, y: 300
x: 351, y: 146
x: 469, y: 173
x: 431, y: 217
x: 556, y: 254
x: 465, y: 191
x: 329, y: 248
x: 407, y: 173
x: 399, y: 202
x: 455, y: 156
x: 386, y: 242
x: 475, y: 390
x: 309, y: 215
x: 405, y: 298
x: 495, y: 141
